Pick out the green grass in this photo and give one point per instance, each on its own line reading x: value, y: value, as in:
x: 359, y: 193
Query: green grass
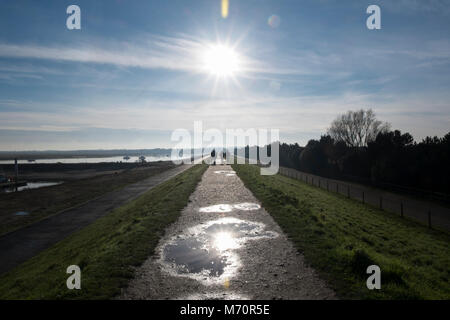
x: 340, y: 238
x: 106, y: 250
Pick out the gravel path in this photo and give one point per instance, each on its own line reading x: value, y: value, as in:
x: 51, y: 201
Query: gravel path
x: 225, y: 246
x: 20, y: 245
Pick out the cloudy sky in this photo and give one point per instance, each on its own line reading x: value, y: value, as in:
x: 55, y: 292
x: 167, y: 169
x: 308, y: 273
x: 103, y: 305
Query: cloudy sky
x: 137, y: 70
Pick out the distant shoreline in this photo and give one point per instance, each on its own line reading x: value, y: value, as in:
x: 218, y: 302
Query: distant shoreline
x: 55, y: 154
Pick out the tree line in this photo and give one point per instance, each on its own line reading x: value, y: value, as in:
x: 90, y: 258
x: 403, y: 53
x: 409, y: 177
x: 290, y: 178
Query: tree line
x: 358, y: 147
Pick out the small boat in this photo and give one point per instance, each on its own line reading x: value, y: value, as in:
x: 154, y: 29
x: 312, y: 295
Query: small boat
x: 31, y: 160
x: 126, y: 158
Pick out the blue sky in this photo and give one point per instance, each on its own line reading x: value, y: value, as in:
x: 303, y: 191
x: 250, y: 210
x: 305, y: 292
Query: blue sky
x: 135, y: 70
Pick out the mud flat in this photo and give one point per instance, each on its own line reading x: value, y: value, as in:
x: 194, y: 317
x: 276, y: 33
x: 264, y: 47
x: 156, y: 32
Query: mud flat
x: 18, y: 246
x: 75, y: 171
x: 225, y: 246
x: 80, y: 183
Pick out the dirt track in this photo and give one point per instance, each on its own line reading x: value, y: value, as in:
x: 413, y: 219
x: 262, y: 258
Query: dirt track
x: 231, y: 251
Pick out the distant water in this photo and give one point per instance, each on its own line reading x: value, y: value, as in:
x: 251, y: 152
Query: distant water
x: 90, y: 160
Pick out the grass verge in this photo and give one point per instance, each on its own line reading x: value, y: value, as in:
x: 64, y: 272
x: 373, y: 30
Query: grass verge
x: 340, y: 238
x: 106, y: 250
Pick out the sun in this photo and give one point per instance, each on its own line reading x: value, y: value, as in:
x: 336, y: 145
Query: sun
x: 221, y: 61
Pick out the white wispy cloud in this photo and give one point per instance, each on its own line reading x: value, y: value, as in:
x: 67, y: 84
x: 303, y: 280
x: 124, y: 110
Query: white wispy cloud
x: 185, y: 53
x: 291, y: 114
x: 150, y: 52
x: 181, y: 53
x: 299, y: 118
x: 129, y: 56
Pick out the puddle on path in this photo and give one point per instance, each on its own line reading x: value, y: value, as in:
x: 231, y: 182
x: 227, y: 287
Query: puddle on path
x: 193, y: 256
x: 206, y: 252
x: 247, y: 206
x: 228, y: 173
x: 215, y: 296
x: 21, y: 213
x: 219, y: 208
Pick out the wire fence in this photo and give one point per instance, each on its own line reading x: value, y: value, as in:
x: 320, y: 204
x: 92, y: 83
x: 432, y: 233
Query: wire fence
x: 429, y: 213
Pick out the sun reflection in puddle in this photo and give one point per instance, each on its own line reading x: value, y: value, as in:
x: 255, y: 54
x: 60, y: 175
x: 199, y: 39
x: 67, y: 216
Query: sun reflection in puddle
x: 206, y: 252
x: 219, y: 208
x: 224, y: 241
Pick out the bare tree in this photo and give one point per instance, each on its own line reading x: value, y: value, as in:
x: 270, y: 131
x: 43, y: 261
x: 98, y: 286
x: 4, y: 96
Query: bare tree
x: 357, y: 128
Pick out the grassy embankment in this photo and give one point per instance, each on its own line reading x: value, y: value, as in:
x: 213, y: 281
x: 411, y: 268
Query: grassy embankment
x: 340, y: 238
x: 44, y: 202
x: 106, y: 250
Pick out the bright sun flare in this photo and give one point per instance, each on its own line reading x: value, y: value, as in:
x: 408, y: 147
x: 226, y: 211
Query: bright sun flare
x: 221, y: 61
